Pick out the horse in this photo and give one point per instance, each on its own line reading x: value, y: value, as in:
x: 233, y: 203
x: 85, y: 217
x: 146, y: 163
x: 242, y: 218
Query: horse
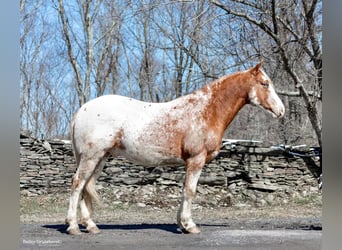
x: 185, y: 131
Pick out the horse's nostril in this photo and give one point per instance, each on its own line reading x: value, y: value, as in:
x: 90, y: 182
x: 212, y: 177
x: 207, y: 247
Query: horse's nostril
x: 281, y: 113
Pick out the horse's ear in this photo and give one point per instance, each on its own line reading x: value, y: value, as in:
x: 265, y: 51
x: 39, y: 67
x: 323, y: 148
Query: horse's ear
x: 257, y: 67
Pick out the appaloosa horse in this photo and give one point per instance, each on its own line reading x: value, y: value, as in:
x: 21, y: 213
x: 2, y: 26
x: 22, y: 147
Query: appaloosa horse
x: 187, y: 130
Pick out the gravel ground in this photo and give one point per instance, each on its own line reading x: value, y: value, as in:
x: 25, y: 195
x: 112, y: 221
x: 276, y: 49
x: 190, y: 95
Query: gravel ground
x: 264, y: 234
x: 144, y: 219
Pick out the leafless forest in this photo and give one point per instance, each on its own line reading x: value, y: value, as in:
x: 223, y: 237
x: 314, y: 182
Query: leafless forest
x: 154, y: 50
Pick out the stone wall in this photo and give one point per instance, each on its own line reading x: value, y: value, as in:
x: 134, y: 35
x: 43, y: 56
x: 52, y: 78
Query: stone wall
x: 241, y: 169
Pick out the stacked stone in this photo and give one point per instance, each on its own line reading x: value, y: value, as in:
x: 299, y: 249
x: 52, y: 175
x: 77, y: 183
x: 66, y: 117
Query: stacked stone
x: 45, y: 165
x: 241, y: 169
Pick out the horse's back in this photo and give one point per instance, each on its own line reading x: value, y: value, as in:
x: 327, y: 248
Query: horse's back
x: 111, y: 110
x: 108, y: 105
x: 103, y: 119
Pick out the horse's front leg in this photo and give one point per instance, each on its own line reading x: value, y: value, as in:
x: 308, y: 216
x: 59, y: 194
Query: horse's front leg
x: 193, y: 171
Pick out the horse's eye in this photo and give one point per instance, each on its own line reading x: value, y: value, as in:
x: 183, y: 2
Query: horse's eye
x: 264, y: 84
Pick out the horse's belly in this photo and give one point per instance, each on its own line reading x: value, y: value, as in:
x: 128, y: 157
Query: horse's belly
x: 149, y: 156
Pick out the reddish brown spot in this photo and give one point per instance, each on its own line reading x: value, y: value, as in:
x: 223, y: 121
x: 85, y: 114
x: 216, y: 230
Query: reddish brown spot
x: 75, y: 182
x: 174, y: 122
x: 90, y: 145
x: 121, y: 146
x: 117, y: 140
x: 191, y: 100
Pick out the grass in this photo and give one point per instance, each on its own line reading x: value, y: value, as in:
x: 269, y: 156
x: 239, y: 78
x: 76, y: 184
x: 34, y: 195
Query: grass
x: 52, y: 208
x: 43, y: 208
x: 312, y: 199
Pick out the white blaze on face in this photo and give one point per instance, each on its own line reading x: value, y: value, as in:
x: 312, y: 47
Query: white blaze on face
x: 273, y: 100
x: 275, y: 103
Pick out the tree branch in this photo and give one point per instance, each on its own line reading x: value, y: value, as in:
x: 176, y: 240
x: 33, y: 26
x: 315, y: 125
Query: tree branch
x: 64, y: 19
x: 298, y: 94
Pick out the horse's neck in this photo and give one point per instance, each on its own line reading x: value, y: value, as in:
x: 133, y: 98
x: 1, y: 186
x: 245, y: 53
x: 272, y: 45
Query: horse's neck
x: 228, y: 96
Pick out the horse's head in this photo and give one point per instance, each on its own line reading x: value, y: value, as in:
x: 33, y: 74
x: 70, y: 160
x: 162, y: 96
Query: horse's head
x: 262, y: 92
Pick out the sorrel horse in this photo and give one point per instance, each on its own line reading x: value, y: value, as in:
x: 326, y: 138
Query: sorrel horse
x: 187, y: 130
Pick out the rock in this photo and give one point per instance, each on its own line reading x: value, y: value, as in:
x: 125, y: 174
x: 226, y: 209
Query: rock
x: 201, y: 190
x: 116, y: 202
x: 25, y: 192
x: 269, y: 198
x: 57, y: 182
x: 213, y: 180
x: 252, y: 197
x: 232, y: 186
x: 131, y: 181
x: 173, y: 196
x: 261, y: 203
x: 113, y: 170
x: 139, y: 204
x: 242, y: 205
x: 263, y: 187
x: 48, y: 172
x: 231, y: 174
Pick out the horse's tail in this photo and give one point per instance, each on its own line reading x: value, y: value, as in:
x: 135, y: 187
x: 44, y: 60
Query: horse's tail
x: 90, y: 194
x: 72, y: 138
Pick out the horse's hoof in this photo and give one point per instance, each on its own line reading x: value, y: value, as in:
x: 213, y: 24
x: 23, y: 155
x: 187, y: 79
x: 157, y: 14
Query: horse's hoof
x: 74, y: 231
x: 94, y: 230
x: 192, y: 230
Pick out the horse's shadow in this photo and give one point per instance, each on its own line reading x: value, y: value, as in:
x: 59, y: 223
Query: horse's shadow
x: 173, y: 228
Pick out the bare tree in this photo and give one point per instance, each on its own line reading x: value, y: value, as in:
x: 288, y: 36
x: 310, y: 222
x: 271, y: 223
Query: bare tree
x: 156, y: 51
x: 185, y: 28
x: 81, y: 87
x: 174, y: 25
x: 142, y: 48
x: 276, y: 20
x: 40, y: 106
x: 109, y: 48
x: 93, y: 56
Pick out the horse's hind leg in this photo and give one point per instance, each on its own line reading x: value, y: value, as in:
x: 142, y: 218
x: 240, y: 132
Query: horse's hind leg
x: 84, y: 171
x: 89, y: 195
